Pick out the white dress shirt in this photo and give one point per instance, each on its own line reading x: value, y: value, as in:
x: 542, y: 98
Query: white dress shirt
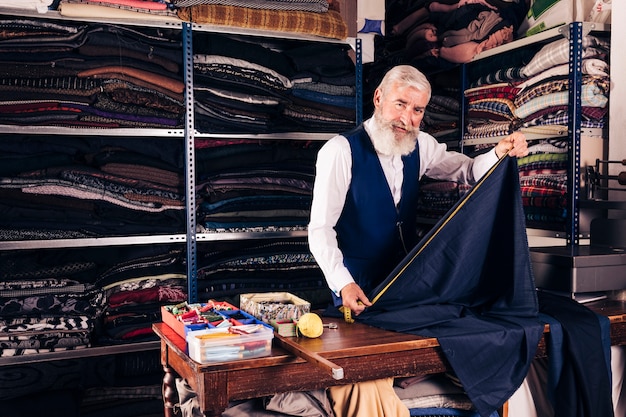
x: 332, y: 180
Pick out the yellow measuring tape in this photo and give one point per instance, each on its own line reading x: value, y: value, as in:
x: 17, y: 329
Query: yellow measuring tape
x: 347, y: 314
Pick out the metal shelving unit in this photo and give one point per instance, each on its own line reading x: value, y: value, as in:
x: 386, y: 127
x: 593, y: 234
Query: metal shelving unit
x: 190, y: 237
x: 572, y: 268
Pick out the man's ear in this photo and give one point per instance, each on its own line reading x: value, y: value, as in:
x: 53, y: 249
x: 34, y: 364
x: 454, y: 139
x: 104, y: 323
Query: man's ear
x: 377, y: 97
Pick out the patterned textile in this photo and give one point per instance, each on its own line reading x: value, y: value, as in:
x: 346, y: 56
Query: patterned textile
x: 329, y: 24
x: 591, y: 96
x: 588, y: 67
x: 501, y: 75
x: 73, y: 76
x: 316, y: 6
x: 488, y: 130
x: 43, y: 311
x: 557, y: 53
x: 437, y: 197
x: 502, y: 90
x: 261, y: 267
x: 134, y: 286
x: 554, y: 85
x: 498, y: 108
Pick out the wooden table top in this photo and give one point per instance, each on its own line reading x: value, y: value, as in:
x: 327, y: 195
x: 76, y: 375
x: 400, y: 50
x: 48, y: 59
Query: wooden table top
x: 357, y: 339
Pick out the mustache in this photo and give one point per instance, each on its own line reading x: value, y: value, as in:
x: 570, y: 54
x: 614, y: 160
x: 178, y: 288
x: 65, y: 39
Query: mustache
x: 407, y: 129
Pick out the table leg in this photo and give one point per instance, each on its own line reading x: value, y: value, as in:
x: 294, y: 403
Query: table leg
x: 170, y: 394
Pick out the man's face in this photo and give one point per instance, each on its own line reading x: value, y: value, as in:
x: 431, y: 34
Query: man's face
x: 401, y: 110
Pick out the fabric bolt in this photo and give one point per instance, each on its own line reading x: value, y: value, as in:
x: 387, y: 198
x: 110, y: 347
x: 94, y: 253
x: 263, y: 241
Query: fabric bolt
x: 312, y: 119
x: 316, y: 6
x: 50, y: 36
x: 272, y: 76
x: 151, y: 79
x: 488, y: 130
x: 337, y: 90
x: 496, y: 106
x: 500, y: 90
x: 555, y: 85
x: 238, y: 78
x: 115, y: 8
x: 557, y: 53
x: 263, y: 55
x: 329, y: 24
x: 591, y: 96
x: 150, y: 45
x: 501, y: 75
x: 335, y: 100
x: 87, y: 9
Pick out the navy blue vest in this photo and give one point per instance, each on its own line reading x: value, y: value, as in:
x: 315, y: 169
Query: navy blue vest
x: 370, y: 226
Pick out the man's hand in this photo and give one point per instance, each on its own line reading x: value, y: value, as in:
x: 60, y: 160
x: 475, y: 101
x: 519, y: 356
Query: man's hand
x: 515, y: 144
x: 354, y: 298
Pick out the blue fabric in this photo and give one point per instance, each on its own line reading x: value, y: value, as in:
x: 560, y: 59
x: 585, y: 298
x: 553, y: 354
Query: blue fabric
x: 579, y: 366
x: 554, y: 345
x: 469, y: 283
x: 372, y: 26
x: 368, y: 228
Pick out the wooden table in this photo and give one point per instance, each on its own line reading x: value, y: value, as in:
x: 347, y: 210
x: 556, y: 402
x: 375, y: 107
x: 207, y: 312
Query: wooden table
x: 365, y: 353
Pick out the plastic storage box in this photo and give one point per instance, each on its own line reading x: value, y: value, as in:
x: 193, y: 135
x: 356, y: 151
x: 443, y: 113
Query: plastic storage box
x: 234, y: 343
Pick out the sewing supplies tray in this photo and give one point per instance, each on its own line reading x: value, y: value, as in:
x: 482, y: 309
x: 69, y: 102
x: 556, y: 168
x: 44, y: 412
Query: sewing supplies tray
x: 229, y: 344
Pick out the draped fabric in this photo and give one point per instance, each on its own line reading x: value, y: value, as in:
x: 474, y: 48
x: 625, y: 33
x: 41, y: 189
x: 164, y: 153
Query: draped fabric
x: 469, y: 283
x: 433, y: 36
x: 579, y: 379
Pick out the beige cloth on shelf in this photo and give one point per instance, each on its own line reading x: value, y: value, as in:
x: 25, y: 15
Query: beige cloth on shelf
x: 371, y: 398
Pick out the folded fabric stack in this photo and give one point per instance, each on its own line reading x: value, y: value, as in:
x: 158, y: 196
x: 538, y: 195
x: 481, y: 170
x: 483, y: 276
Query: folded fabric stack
x: 75, y: 187
x: 534, y: 99
x: 46, y: 304
x: 227, y: 270
x: 99, y: 75
x: 307, y: 17
x: 441, y: 118
x: 241, y: 86
x: 245, y: 185
x: 323, y: 93
x: 543, y: 183
x: 437, y: 197
x: 134, y: 289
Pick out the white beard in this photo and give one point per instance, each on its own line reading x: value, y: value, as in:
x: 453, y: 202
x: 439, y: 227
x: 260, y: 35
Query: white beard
x: 385, y: 140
